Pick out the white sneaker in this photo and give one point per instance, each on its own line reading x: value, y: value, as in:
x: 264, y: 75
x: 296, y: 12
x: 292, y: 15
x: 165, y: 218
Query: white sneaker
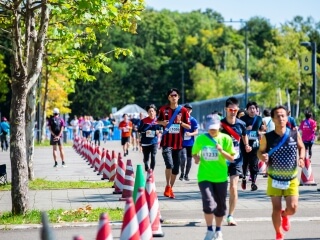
x: 209, y: 235
x: 218, y: 236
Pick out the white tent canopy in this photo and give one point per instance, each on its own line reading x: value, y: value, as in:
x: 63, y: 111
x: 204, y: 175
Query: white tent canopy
x: 130, y: 109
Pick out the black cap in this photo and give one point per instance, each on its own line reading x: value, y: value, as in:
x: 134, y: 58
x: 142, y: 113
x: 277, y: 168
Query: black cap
x: 188, y: 106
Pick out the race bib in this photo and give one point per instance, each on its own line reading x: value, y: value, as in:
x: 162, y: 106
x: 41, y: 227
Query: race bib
x: 125, y: 129
x: 174, y: 128
x: 280, y: 184
x: 252, y: 135
x: 150, y: 134
x: 209, y: 154
x: 186, y: 137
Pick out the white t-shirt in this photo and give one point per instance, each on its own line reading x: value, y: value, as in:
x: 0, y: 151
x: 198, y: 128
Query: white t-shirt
x: 75, y: 123
x: 269, y: 123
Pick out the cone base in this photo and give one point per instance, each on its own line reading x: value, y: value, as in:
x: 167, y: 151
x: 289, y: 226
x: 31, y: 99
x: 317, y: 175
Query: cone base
x: 307, y: 184
x: 123, y: 199
x: 117, y: 192
x: 158, y: 234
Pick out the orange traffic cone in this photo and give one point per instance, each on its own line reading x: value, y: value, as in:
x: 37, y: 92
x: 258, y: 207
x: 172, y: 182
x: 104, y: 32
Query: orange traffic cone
x: 120, y: 175
x: 128, y: 182
x: 102, y: 162
x: 104, y: 229
x: 130, y: 225
x: 307, y: 178
x: 153, y: 205
x: 98, y: 159
x: 143, y: 215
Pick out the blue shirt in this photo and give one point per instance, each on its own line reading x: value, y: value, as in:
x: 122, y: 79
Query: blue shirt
x: 5, y: 126
x: 188, y: 141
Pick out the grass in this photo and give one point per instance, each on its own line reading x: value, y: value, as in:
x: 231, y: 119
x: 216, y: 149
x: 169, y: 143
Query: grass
x: 42, y: 184
x: 86, y: 214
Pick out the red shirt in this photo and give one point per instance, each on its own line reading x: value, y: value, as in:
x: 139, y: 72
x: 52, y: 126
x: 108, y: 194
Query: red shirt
x: 174, y: 137
x: 126, y: 128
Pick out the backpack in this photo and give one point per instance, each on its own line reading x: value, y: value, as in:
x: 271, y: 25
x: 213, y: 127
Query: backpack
x: 56, y: 125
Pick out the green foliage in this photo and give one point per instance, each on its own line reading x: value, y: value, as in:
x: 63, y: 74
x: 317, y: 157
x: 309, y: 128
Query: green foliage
x: 4, y: 89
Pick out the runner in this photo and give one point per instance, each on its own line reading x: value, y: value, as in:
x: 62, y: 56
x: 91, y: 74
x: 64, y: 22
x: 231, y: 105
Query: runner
x: 308, y: 129
x: 149, y: 131
x: 173, y: 118
x: 236, y: 129
x: 188, y: 141
x: 279, y: 149
x: 254, y: 124
x: 212, y: 150
x: 125, y: 126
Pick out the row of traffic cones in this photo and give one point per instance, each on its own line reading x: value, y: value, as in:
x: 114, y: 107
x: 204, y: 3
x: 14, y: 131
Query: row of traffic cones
x: 141, y: 219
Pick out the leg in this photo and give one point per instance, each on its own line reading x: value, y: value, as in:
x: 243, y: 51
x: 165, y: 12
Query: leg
x: 276, y: 213
x: 167, y: 157
x: 154, y: 150
x: 291, y: 205
x: 176, y: 165
x: 183, y: 158
x: 54, y: 148
x: 220, y: 195
x: 61, y: 152
x: 233, y: 192
x: 146, y: 153
x: 189, y: 162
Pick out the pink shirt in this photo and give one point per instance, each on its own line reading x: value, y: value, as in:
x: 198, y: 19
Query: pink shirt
x: 308, y: 130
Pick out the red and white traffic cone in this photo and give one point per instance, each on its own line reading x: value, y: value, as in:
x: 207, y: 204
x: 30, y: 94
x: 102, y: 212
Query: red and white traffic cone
x: 130, y: 225
x: 120, y: 176
x: 262, y: 167
x: 102, y: 162
x: 98, y: 159
x: 153, y: 205
x: 106, y: 170
x: 307, y: 178
x: 92, y: 154
x: 128, y: 181
x: 104, y: 229
x: 113, y: 167
x: 143, y: 215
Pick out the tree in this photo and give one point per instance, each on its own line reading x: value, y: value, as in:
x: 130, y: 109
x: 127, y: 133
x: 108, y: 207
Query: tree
x: 27, y: 23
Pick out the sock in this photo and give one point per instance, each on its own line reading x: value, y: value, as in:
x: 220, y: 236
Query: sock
x: 210, y: 228
x: 218, y: 229
x: 229, y: 215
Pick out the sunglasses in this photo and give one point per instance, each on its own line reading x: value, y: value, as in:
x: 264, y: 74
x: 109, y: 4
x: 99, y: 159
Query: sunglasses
x: 173, y: 95
x: 232, y: 110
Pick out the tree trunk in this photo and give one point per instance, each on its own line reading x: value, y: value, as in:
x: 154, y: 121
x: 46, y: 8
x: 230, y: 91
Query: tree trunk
x: 19, y: 166
x: 30, y: 126
x: 44, y: 101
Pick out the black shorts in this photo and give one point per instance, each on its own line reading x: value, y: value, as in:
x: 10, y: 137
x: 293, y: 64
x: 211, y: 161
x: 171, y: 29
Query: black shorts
x: 171, y: 159
x: 125, y: 140
x: 55, y: 142
x: 234, y: 170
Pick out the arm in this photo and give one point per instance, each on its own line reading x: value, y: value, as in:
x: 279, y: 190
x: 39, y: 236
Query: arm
x: 301, y: 150
x: 245, y: 141
x: 262, y: 155
x: 225, y: 154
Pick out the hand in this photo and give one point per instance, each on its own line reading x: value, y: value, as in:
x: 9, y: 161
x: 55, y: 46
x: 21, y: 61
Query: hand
x: 196, y: 159
x: 249, y: 128
x: 219, y: 148
x: 248, y: 148
x: 188, y: 134
x: 178, y: 118
x: 265, y: 157
x: 301, y: 163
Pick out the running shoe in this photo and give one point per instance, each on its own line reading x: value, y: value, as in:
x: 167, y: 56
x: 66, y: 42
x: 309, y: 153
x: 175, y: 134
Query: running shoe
x: 254, y: 187
x: 209, y: 235
x: 186, y: 178
x: 171, y: 193
x: 279, y: 236
x: 181, y: 177
x: 285, y: 222
x: 231, y: 221
x: 218, y: 236
x: 244, y: 184
x: 64, y: 164
x: 127, y: 152
x: 55, y: 164
x: 167, y: 191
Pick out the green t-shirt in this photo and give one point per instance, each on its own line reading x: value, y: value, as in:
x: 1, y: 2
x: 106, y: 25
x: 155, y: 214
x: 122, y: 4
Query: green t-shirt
x: 213, y: 166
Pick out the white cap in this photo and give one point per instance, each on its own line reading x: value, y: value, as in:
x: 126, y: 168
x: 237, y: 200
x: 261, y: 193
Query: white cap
x: 56, y: 111
x: 213, y: 121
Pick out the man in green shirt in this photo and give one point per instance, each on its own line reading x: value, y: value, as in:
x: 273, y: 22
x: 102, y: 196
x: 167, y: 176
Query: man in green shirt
x: 212, y: 150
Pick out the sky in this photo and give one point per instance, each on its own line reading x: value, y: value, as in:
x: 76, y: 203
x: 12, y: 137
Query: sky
x: 276, y: 11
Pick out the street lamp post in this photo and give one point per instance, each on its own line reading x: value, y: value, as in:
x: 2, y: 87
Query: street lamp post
x: 313, y: 46
x: 246, y: 71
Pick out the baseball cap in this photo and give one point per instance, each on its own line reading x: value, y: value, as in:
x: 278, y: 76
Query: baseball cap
x: 213, y: 121
x: 188, y: 106
x: 56, y: 111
